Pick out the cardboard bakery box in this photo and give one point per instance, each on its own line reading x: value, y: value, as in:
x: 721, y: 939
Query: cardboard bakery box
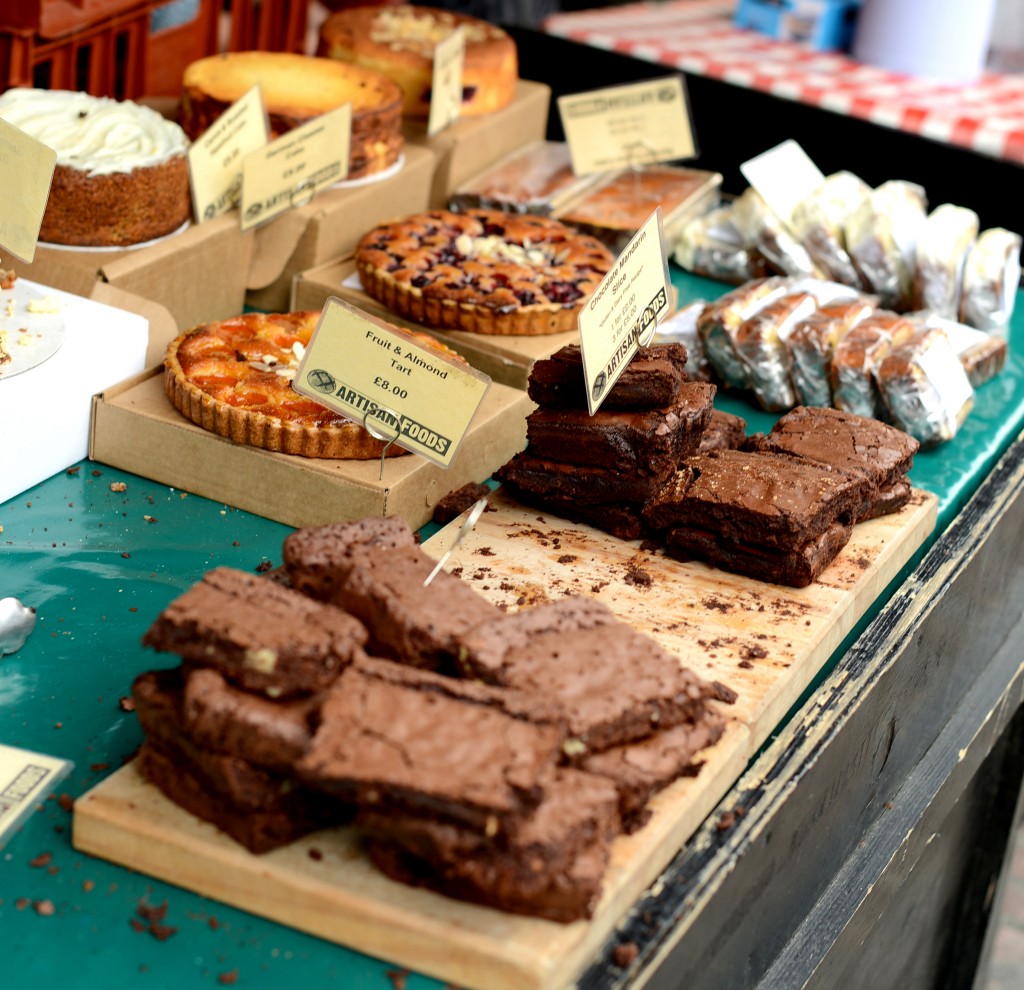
x: 331, y: 225
x: 135, y: 428
x: 471, y: 144
x: 62, y: 348
x: 504, y: 358
x: 197, y: 274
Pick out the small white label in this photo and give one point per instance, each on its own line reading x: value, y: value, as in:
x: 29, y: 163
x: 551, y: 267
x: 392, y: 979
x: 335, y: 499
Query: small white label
x: 783, y: 175
x: 290, y: 171
x: 389, y: 382
x: 215, y: 157
x: 26, y: 778
x: 625, y: 126
x: 26, y: 167
x: 623, y: 313
x: 446, y: 82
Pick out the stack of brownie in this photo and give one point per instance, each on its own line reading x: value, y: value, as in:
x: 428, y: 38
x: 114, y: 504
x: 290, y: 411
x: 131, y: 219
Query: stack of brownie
x: 224, y: 729
x: 490, y: 756
x: 602, y: 469
x: 782, y: 508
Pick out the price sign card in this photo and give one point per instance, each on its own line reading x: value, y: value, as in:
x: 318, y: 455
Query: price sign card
x: 783, y: 176
x: 291, y: 170
x: 446, y: 83
x: 27, y: 166
x: 627, y: 125
x: 388, y: 382
x: 215, y: 158
x: 25, y: 779
x: 623, y: 313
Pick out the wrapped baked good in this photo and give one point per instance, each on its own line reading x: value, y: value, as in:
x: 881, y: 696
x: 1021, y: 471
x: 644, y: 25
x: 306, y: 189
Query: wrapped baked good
x: 811, y: 344
x: 819, y: 221
x: 719, y: 322
x: 881, y: 238
x: 536, y: 179
x: 925, y: 388
x: 990, y: 280
x: 762, y: 229
x: 760, y: 344
x: 983, y: 355
x: 681, y: 328
x: 856, y: 357
x: 710, y: 245
x: 942, y: 246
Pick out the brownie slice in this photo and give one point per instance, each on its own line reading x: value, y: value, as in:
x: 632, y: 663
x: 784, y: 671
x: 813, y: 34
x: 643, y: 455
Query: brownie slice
x: 650, y: 442
x: 257, y: 807
x: 641, y: 769
x: 257, y: 633
x: 876, y: 452
x: 225, y: 719
x: 795, y: 567
x: 526, y: 873
x: 452, y: 505
x: 399, y: 738
x: 724, y: 431
x: 577, y: 484
x: 653, y: 379
x: 614, y: 684
x: 408, y: 622
x: 755, y: 499
x: 317, y: 557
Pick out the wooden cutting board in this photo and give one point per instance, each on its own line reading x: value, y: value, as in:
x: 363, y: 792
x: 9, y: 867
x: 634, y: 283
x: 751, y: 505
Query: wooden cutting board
x: 766, y: 642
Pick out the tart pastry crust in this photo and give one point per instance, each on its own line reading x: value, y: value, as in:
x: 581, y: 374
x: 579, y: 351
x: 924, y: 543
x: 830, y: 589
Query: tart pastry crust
x: 483, y: 271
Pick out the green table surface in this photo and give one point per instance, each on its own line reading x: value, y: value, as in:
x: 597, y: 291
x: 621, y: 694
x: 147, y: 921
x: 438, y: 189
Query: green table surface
x: 98, y: 565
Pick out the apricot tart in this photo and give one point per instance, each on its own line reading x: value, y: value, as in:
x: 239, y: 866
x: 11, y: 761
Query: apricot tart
x: 233, y: 378
x: 483, y: 271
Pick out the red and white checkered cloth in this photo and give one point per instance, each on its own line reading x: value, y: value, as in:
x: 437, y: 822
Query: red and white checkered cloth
x: 697, y: 36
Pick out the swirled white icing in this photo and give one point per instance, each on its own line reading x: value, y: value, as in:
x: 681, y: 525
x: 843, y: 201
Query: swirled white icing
x: 96, y: 134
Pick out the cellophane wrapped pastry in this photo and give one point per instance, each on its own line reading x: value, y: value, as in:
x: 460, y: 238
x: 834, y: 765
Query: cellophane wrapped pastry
x: 925, y: 388
x: 881, y: 238
x: 856, y: 357
x: 681, y: 328
x: 761, y: 229
x: 990, y: 280
x: 712, y: 246
x: 819, y: 221
x: 942, y: 246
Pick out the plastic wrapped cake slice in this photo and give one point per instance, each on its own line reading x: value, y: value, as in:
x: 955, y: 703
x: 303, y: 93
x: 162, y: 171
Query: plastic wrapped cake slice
x: 819, y: 221
x: 945, y: 239
x: 991, y: 277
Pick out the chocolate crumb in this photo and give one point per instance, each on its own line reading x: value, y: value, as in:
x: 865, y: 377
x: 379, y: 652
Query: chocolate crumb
x: 636, y: 575
x: 72, y: 471
x: 716, y: 604
x: 96, y: 474
x: 88, y: 885
x: 754, y: 652
x: 745, y: 664
x: 99, y: 767
x: 231, y: 976
x: 43, y: 859
x: 149, y: 519
x: 398, y: 977
x: 151, y: 912
x: 136, y: 925
x: 456, y: 572
x: 567, y: 558
x: 624, y: 954
x: 485, y: 552
x: 263, y: 566
x: 162, y: 932
x: 66, y: 801
x: 315, y: 854
x: 21, y: 903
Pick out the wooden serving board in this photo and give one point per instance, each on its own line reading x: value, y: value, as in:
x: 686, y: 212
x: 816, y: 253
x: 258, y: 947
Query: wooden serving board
x: 764, y: 641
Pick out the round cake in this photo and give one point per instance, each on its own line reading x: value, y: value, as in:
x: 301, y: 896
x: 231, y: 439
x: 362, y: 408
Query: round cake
x: 399, y: 41
x: 295, y: 89
x: 483, y: 271
x: 233, y: 377
x: 121, y: 176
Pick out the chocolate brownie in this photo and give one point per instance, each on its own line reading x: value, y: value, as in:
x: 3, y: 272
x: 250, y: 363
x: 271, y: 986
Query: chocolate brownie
x: 578, y: 484
x: 257, y: 633
x: 408, y: 622
x: 259, y: 830
x: 526, y: 873
x: 399, y: 738
x: 650, y: 442
x: 614, y: 684
x: 452, y: 505
x: 755, y: 499
x: 564, y: 895
x: 641, y: 769
x: 879, y: 453
x: 725, y: 431
x: 653, y: 379
x: 317, y: 557
x: 225, y: 719
x: 797, y: 567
